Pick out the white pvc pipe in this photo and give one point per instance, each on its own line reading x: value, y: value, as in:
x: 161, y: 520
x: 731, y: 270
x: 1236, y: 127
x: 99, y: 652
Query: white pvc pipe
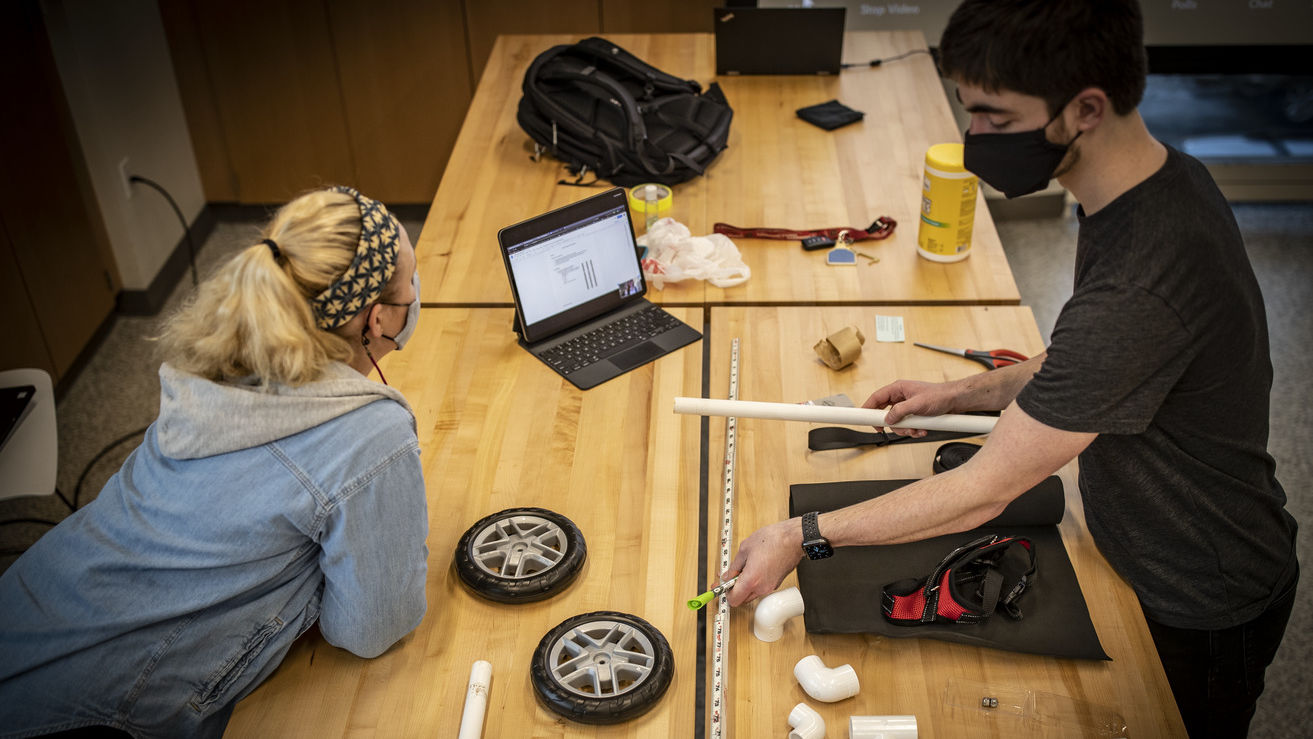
x: 823, y: 683
x: 773, y: 610
x: 476, y: 701
x: 829, y: 414
x: 882, y: 727
x: 806, y: 723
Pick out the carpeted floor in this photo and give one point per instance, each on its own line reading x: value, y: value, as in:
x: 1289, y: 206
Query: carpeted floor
x: 116, y: 393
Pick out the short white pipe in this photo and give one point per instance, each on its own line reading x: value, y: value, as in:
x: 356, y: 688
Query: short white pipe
x: 882, y: 727
x: 806, y: 723
x: 829, y: 414
x: 823, y: 683
x: 476, y: 701
x: 773, y: 610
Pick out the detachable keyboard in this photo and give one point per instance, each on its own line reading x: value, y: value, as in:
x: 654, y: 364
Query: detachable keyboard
x: 609, y: 339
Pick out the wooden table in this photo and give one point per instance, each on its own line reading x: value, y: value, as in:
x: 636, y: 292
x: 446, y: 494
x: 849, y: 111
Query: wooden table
x: 777, y: 171
x: 899, y: 676
x: 498, y: 429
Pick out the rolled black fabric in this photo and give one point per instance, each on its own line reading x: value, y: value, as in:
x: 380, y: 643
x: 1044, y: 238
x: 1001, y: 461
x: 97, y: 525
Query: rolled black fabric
x: 830, y: 116
x: 953, y: 454
x: 842, y: 594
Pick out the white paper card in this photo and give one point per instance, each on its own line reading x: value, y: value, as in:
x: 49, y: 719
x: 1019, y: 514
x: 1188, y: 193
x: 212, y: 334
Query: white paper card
x: 889, y: 328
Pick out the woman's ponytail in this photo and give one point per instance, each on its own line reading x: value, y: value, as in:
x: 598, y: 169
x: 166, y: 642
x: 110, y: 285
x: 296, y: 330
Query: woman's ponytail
x: 253, y: 317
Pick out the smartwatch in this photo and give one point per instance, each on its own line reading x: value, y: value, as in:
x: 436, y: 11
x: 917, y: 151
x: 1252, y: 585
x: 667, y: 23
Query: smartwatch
x: 814, y: 545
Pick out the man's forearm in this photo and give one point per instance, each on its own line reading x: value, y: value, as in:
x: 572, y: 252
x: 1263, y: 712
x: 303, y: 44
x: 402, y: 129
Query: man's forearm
x: 1018, y: 455
x: 942, y: 504
x: 995, y: 389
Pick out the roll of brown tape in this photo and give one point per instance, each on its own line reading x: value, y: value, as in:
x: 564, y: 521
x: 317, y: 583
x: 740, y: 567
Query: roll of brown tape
x: 841, y: 348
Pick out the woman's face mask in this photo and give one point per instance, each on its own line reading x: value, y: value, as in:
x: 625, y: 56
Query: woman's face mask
x: 1015, y: 164
x: 412, y: 317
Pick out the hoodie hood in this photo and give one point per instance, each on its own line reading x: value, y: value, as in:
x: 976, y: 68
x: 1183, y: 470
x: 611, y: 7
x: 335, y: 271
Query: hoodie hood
x: 202, y: 418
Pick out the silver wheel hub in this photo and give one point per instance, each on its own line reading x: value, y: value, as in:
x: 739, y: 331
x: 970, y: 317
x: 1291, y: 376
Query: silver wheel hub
x: 519, y: 547
x: 601, y: 659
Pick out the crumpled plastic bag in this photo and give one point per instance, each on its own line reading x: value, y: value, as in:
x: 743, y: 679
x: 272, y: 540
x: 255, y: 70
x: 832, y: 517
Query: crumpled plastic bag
x: 673, y: 254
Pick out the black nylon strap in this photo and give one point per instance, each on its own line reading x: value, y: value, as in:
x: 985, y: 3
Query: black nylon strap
x: 989, y: 591
x: 837, y: 437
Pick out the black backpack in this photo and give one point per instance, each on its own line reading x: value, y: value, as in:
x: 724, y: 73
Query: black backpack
x: 597, y: 107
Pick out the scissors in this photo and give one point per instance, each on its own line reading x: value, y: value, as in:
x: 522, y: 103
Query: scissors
x: 992, y: 359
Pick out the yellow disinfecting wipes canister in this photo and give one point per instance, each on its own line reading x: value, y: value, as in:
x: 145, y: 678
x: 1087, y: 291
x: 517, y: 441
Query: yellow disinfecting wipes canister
x: 948, y: 205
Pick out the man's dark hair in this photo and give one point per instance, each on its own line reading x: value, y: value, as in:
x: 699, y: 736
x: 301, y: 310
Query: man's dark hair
x: 1051, y: 49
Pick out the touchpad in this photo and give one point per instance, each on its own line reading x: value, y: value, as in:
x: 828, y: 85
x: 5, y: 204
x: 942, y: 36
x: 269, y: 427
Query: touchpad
x: 641, y: 354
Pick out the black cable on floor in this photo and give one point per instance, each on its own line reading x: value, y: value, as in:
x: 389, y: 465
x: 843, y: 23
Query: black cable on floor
x: 71, y: 508
x: 878, y: 62
x: 45, y: 521
x: 186, y: 231
x: 77, y: 489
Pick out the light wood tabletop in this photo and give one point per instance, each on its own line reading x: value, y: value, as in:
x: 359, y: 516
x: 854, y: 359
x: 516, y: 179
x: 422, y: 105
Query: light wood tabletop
x: 778, y: 171
x: 908, y: 676
x: 497, y: 430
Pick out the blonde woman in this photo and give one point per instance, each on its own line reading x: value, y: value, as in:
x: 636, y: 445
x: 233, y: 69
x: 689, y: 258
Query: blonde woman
x: 279, y: 487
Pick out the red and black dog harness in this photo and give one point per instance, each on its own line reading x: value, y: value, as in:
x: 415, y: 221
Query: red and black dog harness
x: 967, y: 586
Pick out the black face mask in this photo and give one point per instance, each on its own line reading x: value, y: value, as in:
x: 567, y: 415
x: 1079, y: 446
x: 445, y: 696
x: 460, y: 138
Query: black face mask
x: 1015, y: 164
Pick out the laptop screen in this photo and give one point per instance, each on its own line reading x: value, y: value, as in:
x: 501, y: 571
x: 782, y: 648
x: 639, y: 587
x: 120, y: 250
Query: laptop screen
x: 572, y: 264
x: 778, y: 40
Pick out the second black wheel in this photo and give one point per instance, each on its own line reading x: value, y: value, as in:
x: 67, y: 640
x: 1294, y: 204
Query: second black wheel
x: 602, y: 667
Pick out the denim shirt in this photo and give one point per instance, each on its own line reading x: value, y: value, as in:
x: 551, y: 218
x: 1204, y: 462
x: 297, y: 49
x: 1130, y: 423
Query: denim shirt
x: 183, y: 585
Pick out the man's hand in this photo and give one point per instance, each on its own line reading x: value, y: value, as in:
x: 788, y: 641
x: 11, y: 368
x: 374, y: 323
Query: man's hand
x: 912, y: 398
x: 764, y: 559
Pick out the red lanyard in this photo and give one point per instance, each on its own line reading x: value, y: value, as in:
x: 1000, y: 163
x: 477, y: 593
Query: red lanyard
x: 883, y: 228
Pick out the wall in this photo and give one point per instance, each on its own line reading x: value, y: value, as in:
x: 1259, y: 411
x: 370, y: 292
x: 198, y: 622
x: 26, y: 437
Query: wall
x: 118, y: 77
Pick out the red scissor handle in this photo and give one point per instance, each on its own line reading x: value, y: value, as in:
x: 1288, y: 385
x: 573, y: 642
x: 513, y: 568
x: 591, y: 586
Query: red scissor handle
x: 998, y: 357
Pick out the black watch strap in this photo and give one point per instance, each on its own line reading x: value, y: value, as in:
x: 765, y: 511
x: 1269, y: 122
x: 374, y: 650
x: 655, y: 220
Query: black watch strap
x: 810, y: 529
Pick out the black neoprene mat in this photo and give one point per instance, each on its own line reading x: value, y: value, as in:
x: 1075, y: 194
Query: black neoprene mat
x: 841, y: 595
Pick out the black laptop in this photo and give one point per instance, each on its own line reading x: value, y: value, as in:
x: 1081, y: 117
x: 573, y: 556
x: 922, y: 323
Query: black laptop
x: 578, y: 289
x: 778, y: 40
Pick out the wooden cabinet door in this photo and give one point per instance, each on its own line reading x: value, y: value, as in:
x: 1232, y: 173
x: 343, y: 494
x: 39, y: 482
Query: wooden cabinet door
x: 275, y: 82
x: 52, y: 259
x: 658, y: 16
x: 404, y: 72
x: 486, y: 19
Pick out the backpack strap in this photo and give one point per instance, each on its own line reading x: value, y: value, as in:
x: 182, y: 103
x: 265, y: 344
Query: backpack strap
x: 967, y: 586
x: 588, y: 76
x: 612, y: 54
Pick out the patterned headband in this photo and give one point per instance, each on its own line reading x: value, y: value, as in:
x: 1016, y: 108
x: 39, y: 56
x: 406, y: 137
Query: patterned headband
x: 370, y: 270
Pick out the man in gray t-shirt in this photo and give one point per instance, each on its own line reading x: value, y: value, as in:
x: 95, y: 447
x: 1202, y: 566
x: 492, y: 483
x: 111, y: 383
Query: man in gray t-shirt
x: 1157, y: 375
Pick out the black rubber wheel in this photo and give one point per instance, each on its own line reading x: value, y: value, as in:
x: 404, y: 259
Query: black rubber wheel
x: 953, y: 454
x: 520, y: 555
x: 602, y: 668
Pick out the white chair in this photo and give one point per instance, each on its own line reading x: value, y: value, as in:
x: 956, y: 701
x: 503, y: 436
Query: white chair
x: 30, y: 459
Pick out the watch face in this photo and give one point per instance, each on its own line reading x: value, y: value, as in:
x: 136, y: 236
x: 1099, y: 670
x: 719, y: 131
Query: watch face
x: 818, y: 549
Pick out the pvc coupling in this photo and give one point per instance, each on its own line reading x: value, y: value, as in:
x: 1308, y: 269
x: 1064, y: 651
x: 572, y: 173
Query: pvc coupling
x: 823, y: 683
x: 806, y: 723
x: 773, y: 610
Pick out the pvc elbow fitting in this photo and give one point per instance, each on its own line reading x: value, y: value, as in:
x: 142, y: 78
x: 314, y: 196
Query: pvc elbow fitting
x: 882, y: 727
x: 773, y: 610
x: 806, y: 723
x: 823, y: 683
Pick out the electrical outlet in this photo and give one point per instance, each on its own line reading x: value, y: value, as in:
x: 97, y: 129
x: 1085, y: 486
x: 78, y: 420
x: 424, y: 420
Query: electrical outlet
x: 125, y: 176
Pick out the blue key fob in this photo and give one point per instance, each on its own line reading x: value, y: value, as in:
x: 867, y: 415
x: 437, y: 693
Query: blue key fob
x: 840, y: 256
